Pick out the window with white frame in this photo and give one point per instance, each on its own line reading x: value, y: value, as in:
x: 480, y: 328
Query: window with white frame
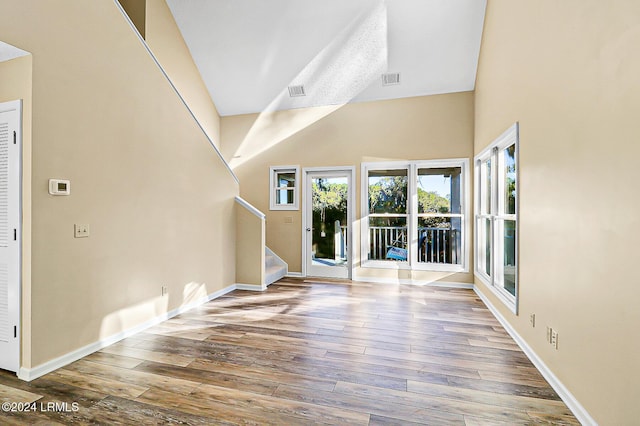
x: 439, y: 215
x: 387, y: 193
x: 284, y: 187
x: 496, y: 215
x: 414, y: 214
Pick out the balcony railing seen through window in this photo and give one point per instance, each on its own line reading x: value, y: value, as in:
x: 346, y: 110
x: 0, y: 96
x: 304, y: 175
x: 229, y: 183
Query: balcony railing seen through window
x: 435, y: 245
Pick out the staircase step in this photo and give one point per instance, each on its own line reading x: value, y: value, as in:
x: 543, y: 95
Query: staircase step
x: 271, y: 261
x: 275, y: 268
x: 274, y: 273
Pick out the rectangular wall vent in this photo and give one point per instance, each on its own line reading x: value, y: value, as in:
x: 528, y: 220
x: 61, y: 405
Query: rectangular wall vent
x: 390, y: 78
x: 296, y: 91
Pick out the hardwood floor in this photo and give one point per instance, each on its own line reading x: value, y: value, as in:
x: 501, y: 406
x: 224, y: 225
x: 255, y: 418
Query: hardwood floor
x: 305, y: 352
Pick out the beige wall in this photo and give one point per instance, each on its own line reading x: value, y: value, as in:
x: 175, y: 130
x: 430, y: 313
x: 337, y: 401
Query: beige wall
x: 568, y: 72
x: 430, y: 127
x: 165, y: 40
x: 15, y: 83
x: 159, y: 202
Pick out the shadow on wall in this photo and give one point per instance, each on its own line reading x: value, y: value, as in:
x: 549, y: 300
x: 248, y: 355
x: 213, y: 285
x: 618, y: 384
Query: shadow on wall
x: 344, y: 68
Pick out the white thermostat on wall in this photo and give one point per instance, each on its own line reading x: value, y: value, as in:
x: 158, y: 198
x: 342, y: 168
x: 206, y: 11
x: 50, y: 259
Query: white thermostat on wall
x: 59, y: 187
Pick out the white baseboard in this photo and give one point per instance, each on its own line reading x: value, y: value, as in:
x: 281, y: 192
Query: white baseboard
x: 445, y: 284
x: 250, y: 287
x: 29, y: 374
x: 576, y: 408
x: 294, y: 274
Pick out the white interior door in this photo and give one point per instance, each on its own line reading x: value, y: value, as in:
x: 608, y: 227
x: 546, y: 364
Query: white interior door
x: 328, y: 218
x: 10, y: 137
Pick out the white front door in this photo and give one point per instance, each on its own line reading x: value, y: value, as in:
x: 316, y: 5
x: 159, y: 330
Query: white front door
x: 10, y: 119
x: 327, y: 226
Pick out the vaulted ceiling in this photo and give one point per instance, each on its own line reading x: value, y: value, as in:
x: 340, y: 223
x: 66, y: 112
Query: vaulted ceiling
x: 249, y: 52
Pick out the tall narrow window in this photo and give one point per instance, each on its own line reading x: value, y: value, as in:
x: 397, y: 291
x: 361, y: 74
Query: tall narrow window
x: 387, y: 198
x: 440, y: 215
x: 496, y: 216
x: 283, y: 183
x: 483, y: 218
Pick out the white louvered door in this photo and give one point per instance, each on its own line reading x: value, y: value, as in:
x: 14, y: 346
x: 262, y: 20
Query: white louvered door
x: 10, y: 207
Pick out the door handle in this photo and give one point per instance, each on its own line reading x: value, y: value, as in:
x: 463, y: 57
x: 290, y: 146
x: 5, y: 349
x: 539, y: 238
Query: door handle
x: 308, y: 229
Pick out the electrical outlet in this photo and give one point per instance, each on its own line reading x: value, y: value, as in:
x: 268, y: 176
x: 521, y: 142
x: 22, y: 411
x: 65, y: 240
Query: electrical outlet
x: 165, y: 290
x: 554, y: 339
x: 80, y: 231
x: 532, y: 320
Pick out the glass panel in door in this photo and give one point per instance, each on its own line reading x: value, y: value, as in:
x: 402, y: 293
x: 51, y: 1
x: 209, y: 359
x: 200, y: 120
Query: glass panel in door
x: 328, y: 251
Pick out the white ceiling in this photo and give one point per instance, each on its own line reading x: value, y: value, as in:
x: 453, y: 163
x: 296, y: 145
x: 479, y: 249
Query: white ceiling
x: 250, y: 51
x: 8, y: 52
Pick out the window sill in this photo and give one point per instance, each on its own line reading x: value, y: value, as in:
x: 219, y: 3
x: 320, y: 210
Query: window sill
x: 440, y: 267
x: 381, y: 264
x: 377, y: 264
x: 508, y: 300
x: 284, y: 208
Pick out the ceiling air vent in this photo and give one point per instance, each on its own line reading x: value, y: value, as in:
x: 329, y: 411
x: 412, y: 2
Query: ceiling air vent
x: 390, y: 78
x: 296, y: 91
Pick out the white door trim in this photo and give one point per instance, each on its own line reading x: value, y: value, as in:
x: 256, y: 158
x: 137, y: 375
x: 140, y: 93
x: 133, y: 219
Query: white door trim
x: 351, y: 209
x: 10, y: 359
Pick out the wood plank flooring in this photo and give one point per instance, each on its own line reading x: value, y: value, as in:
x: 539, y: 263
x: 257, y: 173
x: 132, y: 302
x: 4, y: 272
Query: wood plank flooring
x: 305, y: 352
